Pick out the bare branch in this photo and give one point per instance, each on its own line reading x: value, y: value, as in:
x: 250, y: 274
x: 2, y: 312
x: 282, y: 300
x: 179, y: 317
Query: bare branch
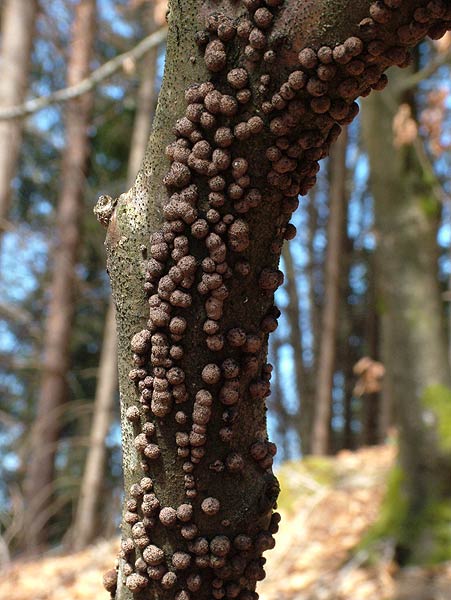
x: 416, y: 78
x: 74, y: 91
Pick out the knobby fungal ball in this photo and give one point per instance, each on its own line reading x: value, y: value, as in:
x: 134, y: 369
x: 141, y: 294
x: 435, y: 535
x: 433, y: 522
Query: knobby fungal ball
x: 152, y: 451
x: 223, y: 137
x: 242, y: 268
x: 185, y: 513
x: 136, y: 582
x: 200, y: 546
x: 140, y: 343
x: 156, y: 572
x: 189, y: 532
x: 182, y: 439
x: 138, y: 530
x: 211, y: 374
x: 229, y: 106
x: 168, y: 516
x: 215, y: 56
x: 150, y: 504
x: 110, y: 580
x: 153, y: 555
x: 258, y: 450
x: 132, y: 413
x: 178, y: 175
x: 210, y: 506
x: 243, y: 96
x: 132, y: 504
x: 168, y: 580
x: 242, y: 542
x: 307, y: 58
x: 136, y: 490
x: 220, y: 545
x: 236, y: 337
x: 257, y: 41
x: 264, y: 541
x: 251, y: 5
x: 234, y: 462
x: 237, y: 78
x: 270, y: 279
x: 193, y: 582
x: 226, y: 30
x: 263, y: 17
x: 131, y: 517
x: 181, y: 560
x: 146, y: 484
x: 142, y: 542
x: 380, y: 13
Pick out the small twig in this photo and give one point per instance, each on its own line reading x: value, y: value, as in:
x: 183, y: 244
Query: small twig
x: 74, y: 91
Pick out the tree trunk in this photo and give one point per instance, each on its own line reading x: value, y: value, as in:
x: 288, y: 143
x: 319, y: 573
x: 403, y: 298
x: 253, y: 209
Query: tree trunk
x: 197, y: 462
x: 347, y: 358
x: 320, y: 443
x: 372, y: 426
x: 415, y: 347
x: 277, y: 405
x: 17, y: 28
x: 84, y: 529
x: 53, y: 390
x: 303, y: 387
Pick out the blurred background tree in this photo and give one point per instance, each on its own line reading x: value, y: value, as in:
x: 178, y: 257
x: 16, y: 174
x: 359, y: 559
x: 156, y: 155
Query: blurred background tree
x: 363, y: 342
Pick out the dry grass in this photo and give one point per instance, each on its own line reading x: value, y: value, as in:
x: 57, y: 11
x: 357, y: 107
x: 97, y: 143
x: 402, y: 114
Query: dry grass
x: 324, y: 520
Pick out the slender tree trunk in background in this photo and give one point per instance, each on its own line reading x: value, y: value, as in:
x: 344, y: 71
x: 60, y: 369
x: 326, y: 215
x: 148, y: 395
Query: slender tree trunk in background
x: 320, y: 443
x: 53, y: 390
x: 193, y: 402
x: 277, y: 404
x: 303, y: 389
x: 16, y: 36
x: 146, y: 100
x: 387, y: 411
x: 315, y: 311
x: 84, y: 529
x: 415, y: 346
x: 372, y: 429
x: 346, y: 358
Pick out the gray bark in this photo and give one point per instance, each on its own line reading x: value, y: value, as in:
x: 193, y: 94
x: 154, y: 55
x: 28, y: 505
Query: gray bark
x: 246, y: 499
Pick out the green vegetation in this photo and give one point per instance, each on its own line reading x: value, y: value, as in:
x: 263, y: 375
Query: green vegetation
x: 437, y: 399
x: 430, y: 527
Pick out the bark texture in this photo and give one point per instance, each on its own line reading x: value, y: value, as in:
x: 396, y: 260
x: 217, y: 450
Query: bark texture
x: 18, y: 17
x: 53, y: 391
x: 193, y: 254
x: 320, y: 443
x: 84, y: 529
x: 414, y: 331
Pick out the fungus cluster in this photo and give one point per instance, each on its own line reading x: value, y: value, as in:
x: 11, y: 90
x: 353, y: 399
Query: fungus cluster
x: 204, y: 246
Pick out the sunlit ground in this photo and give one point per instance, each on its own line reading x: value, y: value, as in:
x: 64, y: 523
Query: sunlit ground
x: 327, y: 506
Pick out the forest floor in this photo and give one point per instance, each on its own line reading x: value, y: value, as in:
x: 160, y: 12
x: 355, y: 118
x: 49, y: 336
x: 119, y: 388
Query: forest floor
x: 327, y: 505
